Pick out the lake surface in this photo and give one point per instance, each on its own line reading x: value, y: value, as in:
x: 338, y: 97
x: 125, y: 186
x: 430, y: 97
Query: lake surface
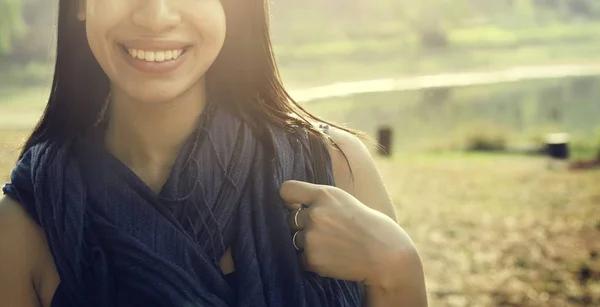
x: 521, y: 112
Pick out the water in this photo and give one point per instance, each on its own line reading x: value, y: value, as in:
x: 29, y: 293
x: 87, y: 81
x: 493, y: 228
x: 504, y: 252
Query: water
x: 520, y: 112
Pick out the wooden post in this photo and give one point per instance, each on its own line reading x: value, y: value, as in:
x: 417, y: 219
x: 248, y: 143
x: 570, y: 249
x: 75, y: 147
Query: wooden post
x: 384, y: 140
x: 557, y: 148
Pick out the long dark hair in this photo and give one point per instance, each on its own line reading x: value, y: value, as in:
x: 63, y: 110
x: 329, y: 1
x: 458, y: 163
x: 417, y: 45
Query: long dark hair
x: 244, y: 76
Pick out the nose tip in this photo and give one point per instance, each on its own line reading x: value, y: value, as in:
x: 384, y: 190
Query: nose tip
x: 156, y: 16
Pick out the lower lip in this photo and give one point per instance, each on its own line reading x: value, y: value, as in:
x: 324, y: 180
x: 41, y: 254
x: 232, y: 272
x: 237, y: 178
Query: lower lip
x: 163, y: 67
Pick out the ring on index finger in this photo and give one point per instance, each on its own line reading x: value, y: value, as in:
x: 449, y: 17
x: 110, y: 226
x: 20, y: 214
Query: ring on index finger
x: 296, y: 218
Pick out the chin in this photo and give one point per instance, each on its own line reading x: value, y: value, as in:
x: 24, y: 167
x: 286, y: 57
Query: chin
x: 155, y: 97
x: 157, y: 92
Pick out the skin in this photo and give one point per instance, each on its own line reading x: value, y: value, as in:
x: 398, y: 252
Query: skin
x: 152, y: 115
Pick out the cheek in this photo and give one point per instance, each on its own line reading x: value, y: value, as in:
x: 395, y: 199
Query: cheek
x: 209, y: 22
x: 106, y: 9
x: 101, y: 17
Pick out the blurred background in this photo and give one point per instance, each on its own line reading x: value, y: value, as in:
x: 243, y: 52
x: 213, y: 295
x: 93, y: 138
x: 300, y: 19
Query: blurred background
x: 462, y: 94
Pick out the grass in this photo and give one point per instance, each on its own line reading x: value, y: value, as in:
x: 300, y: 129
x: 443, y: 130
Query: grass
x: 10, y: 143
x: 498, y: 230
x: 21, y: 106
x: 493, y: 230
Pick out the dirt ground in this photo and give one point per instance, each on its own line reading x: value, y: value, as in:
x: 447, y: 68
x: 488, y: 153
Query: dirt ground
x: 500, y: 230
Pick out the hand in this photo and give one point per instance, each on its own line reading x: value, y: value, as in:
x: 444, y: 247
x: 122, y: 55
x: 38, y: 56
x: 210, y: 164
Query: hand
x: 342, y: 238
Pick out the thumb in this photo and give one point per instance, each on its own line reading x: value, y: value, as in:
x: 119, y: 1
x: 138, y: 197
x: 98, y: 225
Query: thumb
x: 294, y: 193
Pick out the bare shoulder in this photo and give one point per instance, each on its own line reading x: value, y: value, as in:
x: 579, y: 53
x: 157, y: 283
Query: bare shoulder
x: 22, y: 243
x: 17, y: 232
x: 355, y: 171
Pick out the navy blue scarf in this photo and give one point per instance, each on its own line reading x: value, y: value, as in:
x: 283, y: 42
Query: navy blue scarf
x: 117, y: 243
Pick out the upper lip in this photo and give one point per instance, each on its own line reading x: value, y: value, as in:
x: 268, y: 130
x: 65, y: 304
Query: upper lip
x: 154, y: 44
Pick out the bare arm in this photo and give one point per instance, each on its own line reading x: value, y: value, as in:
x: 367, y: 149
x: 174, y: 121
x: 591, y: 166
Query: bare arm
x: 20, y: 242
x: 359, y: 177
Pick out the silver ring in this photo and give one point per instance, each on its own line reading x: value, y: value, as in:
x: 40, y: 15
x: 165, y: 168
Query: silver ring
x: 294, y: 241
x: 296, y: 217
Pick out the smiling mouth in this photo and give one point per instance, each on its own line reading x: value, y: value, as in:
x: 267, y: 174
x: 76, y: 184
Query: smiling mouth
x: 154, y: 55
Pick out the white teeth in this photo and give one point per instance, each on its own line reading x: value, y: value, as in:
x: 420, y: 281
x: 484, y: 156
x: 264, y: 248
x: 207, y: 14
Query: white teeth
x: 149, y: 56
x: 159, y: 56
x: 155, y: 56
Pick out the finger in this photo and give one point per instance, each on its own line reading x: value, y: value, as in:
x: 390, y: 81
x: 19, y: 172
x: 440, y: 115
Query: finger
x: 299, y: 239
x: 298, y: 219
x: 299, y: 192
x: 293, y: 207
x: 307, y: 264
x: 304, y: 262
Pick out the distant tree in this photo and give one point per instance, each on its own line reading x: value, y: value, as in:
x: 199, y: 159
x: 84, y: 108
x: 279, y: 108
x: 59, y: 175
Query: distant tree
x: 588, y: 9
x: 11, y: 22
x: 430, y: 20
x: 525, y: 9
x: 570, y: 9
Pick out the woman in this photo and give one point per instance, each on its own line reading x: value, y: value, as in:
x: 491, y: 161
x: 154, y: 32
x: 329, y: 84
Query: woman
x: 169, y: 167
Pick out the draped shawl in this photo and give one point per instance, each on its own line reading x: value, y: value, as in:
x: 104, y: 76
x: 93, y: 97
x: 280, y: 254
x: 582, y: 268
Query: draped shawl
x: 117, y: 243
